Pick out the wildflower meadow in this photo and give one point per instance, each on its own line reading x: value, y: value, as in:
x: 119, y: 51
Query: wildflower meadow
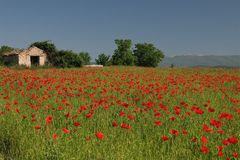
x: 120, y: 113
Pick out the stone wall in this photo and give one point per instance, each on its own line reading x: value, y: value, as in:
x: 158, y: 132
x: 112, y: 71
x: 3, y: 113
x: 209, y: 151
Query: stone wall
x: 24, y: 57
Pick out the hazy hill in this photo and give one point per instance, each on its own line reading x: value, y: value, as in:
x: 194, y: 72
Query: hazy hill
x: 208, y: 61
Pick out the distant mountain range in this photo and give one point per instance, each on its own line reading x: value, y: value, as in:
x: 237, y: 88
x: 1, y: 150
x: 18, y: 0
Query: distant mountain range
x: 201, y: 61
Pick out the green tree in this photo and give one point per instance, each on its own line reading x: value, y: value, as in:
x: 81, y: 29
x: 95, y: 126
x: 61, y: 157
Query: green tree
x: 148, y: 55
x: 67, y: 59
x: 4, y: 49
x: 85, y: 57
x: 103, y: 59
x: 123, y: 55
x: 49, y: 48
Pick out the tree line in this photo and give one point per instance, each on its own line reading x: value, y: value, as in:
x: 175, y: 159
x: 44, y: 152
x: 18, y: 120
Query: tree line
x: 144, y: 54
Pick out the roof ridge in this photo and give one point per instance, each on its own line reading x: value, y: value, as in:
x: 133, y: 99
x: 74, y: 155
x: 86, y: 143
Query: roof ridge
x: 17, y: 51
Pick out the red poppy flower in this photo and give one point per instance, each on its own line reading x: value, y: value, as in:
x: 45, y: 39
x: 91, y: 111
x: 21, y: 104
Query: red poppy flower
x: 226, y: 116
x: 121, y: 114
x: 221, y: 131
x: 34, y: 120
x: 65, y: 130
x: 194, y: 139
x: 197, y: 110
x: 204, y: 141
x: 220, y: 153
x: 49, y: 120
x: 158, y: 122
x: 225, y: 142
x: 77, y: 124
x: 220, y: 148
x: 60, y: 108
x: 114, y: 124
x: 205, y: 105
x: 33, y: 115
x: 5, y: 97
x: 17, y: 110
x: 54, y: 136
x: 232, y: 140
x: 174, y: 132
x: 207, y: 129
x: 184, y: 132
x: 15, y: 102
x: 204, y: 150
x: 88, y: 115
x: 211, y: 110
x: 235, y: 154
x: 99, y: 135
x: 106, y: 107
x: 215, y: 123
x: 157, y: 114
x: 131, y: 117
x: 37, y: 127
x: 164, y: 138
x: 125, y: 126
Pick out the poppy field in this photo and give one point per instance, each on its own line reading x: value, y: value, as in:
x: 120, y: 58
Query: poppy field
x: 120, y: 113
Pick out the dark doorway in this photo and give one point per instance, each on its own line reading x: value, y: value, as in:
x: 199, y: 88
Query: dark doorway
x: 35, y: 60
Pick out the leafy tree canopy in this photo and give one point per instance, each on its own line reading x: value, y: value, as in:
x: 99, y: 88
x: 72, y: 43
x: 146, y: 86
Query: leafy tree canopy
x: 85, y: 57
x: 123, y: 55
x: 103, y: 59
x: 4, y: 49
x: 67, y: 59
x: 148, y: 55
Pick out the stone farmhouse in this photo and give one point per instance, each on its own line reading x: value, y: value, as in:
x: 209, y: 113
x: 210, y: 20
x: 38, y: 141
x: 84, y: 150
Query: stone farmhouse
x: 32, y: 56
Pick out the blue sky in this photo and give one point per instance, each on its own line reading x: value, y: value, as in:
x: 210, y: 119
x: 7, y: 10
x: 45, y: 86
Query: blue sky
x: 174, y: 26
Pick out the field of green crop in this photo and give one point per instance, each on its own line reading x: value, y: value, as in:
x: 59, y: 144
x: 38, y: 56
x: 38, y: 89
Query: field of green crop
x: 120, y: 113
